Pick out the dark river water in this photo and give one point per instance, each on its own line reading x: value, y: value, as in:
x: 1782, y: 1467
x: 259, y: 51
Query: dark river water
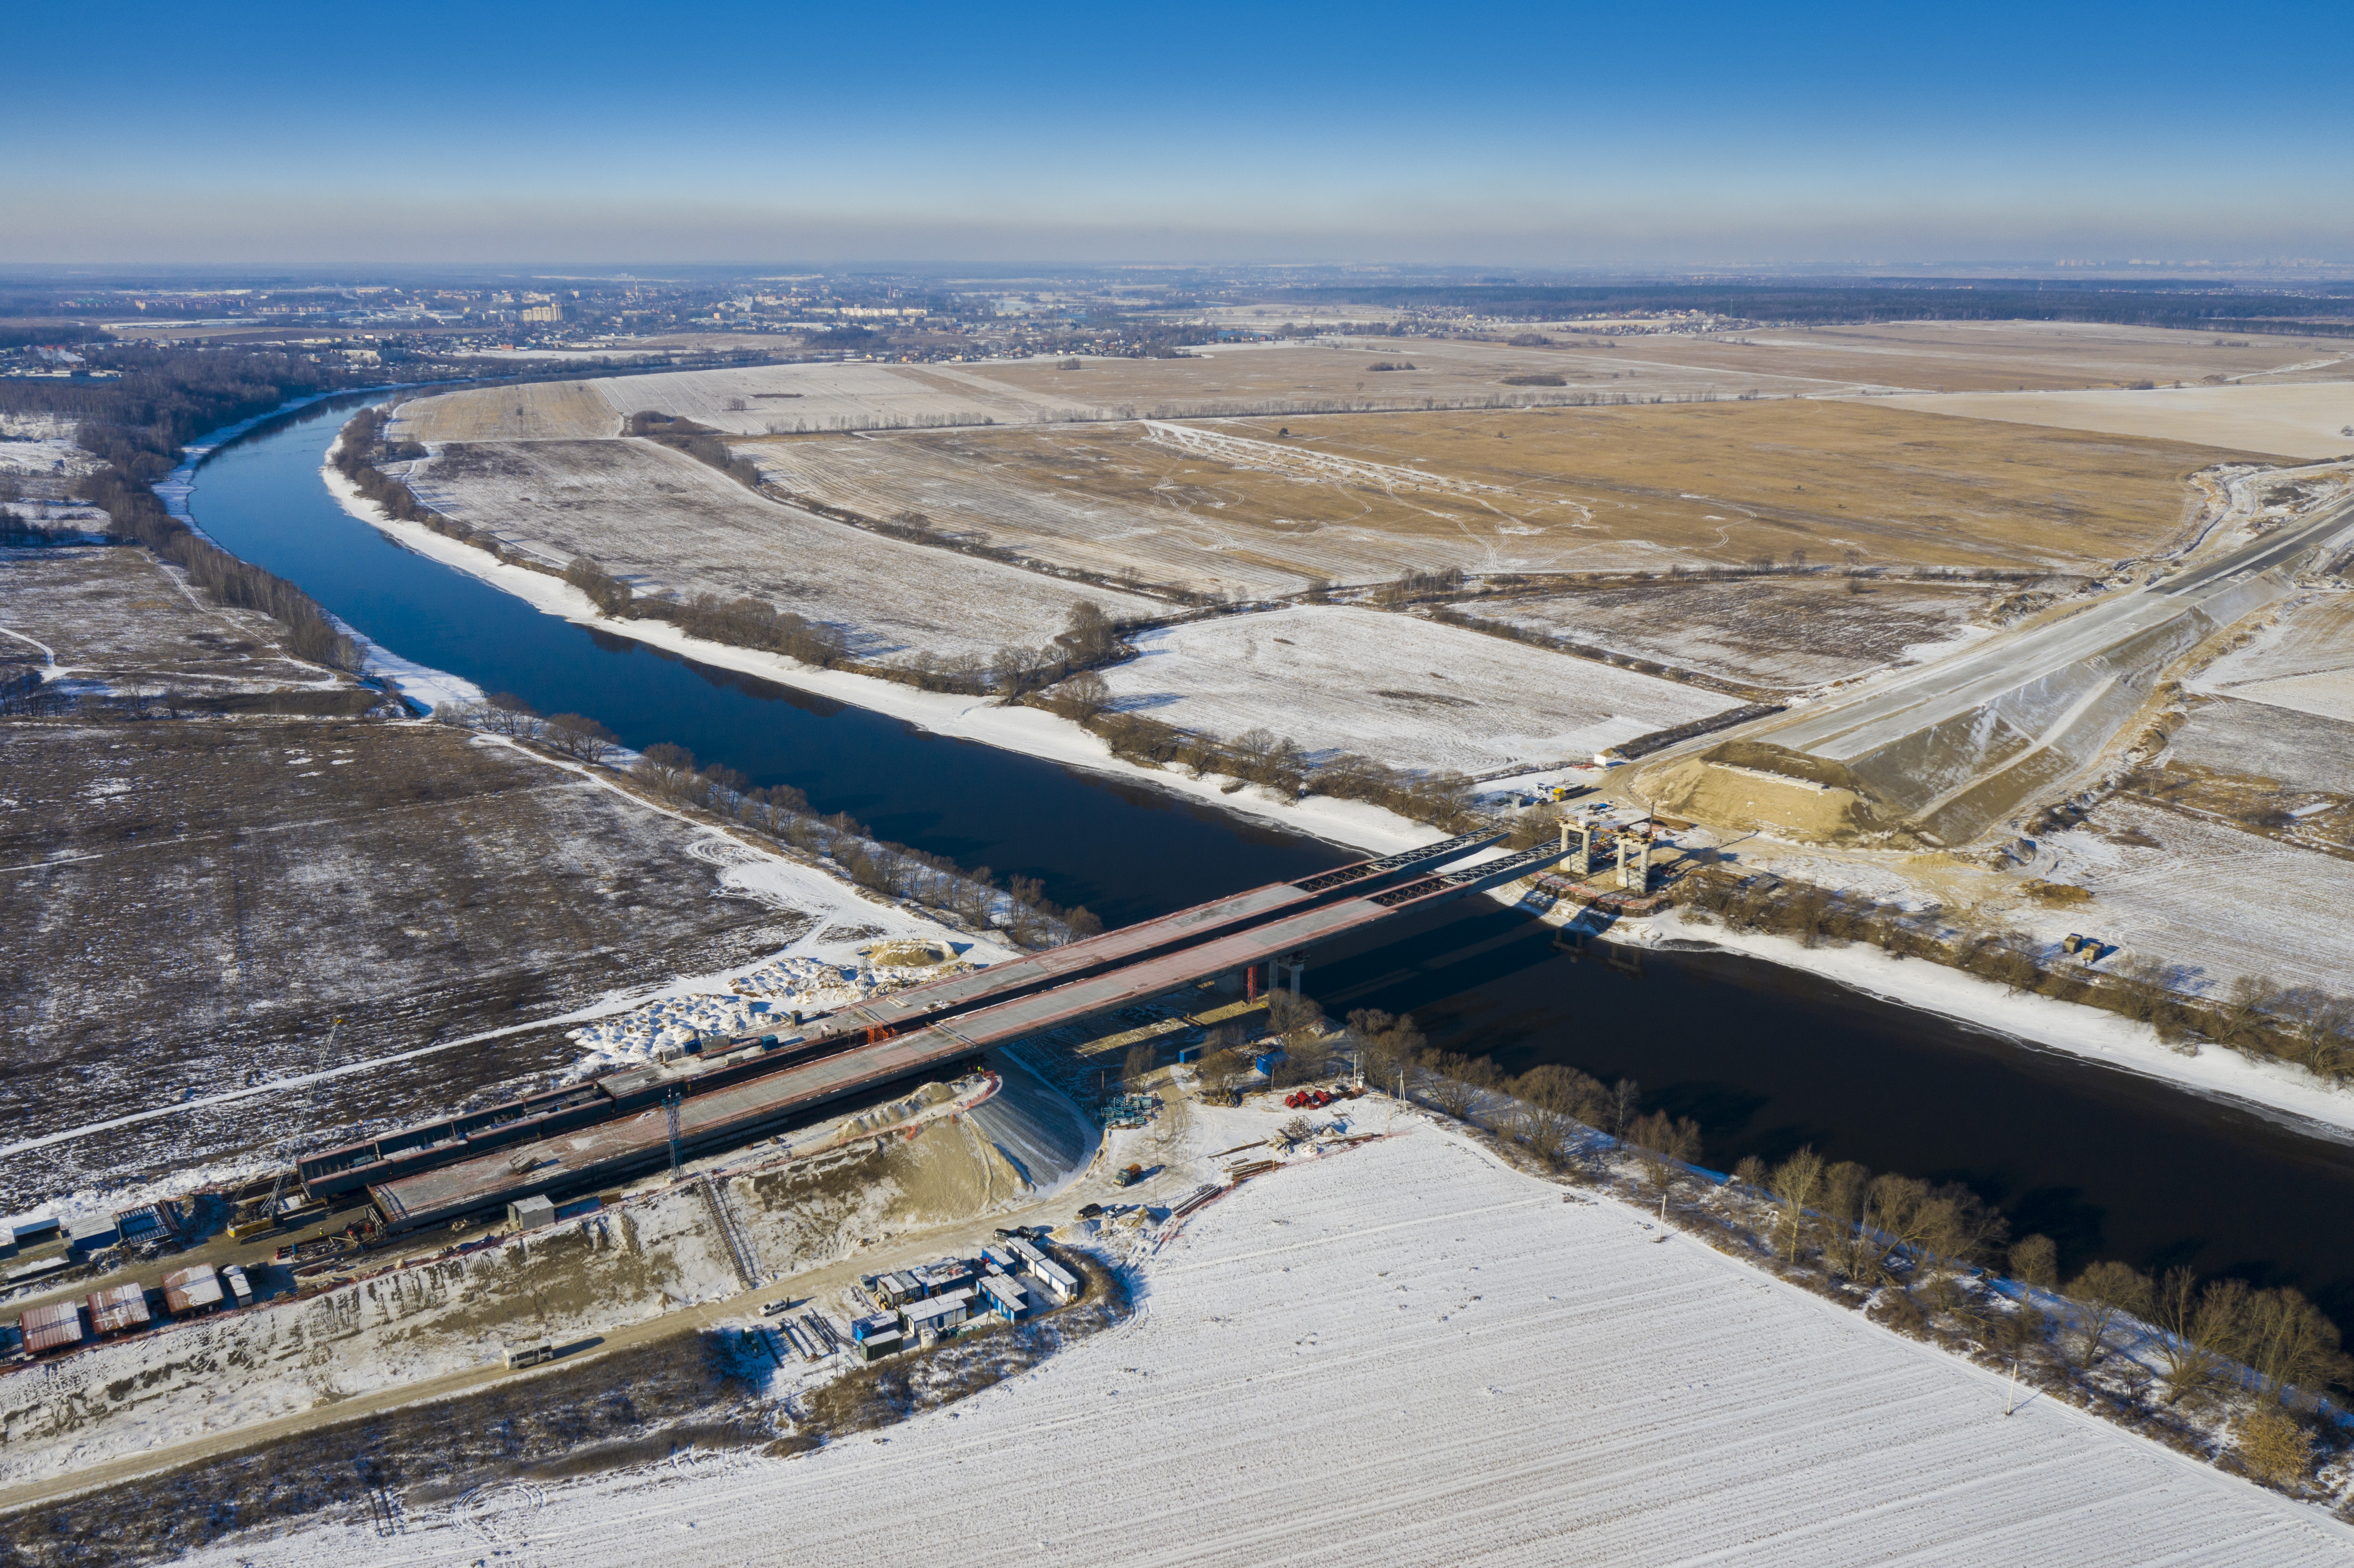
x: 1764, y: 1058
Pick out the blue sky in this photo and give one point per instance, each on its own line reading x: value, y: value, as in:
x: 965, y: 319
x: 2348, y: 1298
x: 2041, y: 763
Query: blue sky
x: 1558, y: 135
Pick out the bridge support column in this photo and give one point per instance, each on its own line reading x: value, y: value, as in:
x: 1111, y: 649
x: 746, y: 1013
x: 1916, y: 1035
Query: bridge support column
x: 1578, y: 860
x: 1635, y: 862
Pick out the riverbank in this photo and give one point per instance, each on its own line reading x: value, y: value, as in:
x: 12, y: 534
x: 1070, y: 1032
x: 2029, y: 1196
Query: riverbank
x: 2275, y: 1090
x: 1027, y: 731
x: 2278, y: 1091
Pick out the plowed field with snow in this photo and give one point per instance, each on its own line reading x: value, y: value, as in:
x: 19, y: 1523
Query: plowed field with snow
x: 1407, y: 1354
x: 659, y: 520
x: 1403, y: 691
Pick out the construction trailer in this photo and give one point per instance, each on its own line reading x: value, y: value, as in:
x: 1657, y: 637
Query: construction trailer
x: 876, y: 1346
x: 56, y: 1326
x: 33, y: 1232
x: 1006, y: 1296
x: 119, y: 1310
x: 531, y: 1214
x: 937, y: 1314
x: 91, y: 1232
x: 1059, y: 1282
x: 240, y: 1289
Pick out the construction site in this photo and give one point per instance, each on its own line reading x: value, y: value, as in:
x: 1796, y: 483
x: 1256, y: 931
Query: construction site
x: 808, y: 1090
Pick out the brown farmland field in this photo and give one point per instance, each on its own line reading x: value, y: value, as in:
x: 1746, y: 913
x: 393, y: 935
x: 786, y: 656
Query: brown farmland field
x: 536, y: 412
x: 1556, y: 490
x: 1774, y: 633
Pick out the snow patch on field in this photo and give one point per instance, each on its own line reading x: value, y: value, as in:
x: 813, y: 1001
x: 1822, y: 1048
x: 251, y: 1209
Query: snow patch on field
x: 1030, y: 731
x: 1409, y: 1354
x: 2213, y: 900
x: 2304, y: 661
x: 1403, y: 691
x: 2305, y: 420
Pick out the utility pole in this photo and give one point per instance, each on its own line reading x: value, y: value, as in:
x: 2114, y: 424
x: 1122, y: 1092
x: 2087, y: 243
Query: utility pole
x: 670, y: 1109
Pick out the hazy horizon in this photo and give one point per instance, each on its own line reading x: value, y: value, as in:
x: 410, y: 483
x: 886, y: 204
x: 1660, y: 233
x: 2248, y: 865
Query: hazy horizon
x: 1547, y: 138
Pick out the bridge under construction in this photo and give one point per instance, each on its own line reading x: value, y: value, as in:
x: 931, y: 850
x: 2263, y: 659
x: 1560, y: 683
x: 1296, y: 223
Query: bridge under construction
x: 571, y: 1139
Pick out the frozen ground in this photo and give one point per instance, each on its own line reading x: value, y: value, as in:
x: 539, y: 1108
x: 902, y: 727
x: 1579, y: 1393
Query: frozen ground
x: 661, y: 520
x: 2297, y: 750
x: 1780, y: 632
x: 113, y: 621
x: 1408, y: 1354
x: 1401, y: 690
x: 2304, y: 419
x: 2304, y: 661
x: 2212, y: 900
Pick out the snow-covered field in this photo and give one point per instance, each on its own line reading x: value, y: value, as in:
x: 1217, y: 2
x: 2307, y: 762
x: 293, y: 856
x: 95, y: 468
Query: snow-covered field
x: 1398, y: 689
x: 658, y: 519
x: 2304, y: 419
x: 2304, y: 661
x: 1408, y: 1354
x: 2213, y: 900
x: 1778, y: 633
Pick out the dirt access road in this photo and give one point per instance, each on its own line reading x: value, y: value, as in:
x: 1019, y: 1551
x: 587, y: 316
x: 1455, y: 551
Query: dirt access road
x: 1955, y: 745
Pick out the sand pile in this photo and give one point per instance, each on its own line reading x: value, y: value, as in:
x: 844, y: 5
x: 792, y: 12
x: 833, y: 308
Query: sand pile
x: 1747, y: 784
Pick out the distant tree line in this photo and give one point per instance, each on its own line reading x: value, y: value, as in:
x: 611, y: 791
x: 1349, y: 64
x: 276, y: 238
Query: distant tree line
x: 2199, y: 305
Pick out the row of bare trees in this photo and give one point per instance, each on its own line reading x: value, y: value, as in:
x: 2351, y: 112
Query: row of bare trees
x: 781, y: 812
x: 2255, y: 1016
x: 2190, y: 1339
x: 504, y: 713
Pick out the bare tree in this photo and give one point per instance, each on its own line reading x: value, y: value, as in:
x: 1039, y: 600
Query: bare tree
x: 2320, y: 1029
x: 2104, y: 1292
x: 507, y: 713
x: 1455, y: 1084
x: 1082, y: 697
x: 2290, y: 1343
x: 1624, y: 1096
x: 2035, y: 1261
x: 2202, y: 1326
x: 578, y: 735
x: 1795, y: 1183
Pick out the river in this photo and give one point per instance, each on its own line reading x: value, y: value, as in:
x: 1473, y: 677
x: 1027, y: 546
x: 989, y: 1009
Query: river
x: 1765, y: 1058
